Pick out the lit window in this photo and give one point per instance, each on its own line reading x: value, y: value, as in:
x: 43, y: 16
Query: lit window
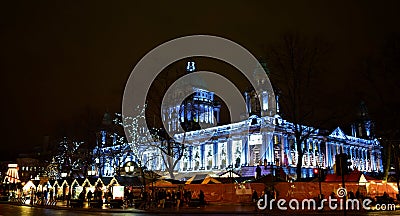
x: 276, y: 140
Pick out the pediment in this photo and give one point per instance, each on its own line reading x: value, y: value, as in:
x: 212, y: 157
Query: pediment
x: 338, y: 133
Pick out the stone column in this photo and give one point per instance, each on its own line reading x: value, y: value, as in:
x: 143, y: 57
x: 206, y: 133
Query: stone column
x: 264, y: 146
x: 315, y: 155
x: 351, y: 153
x: 295, y: 152
x: 210, y: 114
x: 312, y: 153
x: 366, y: 159
x: 331, y: 154
x: 270, y: 147
x: 380, y: 167
x: 360, y: 158
x: 245, y: 150
x: 285, y: 149
x: 190, y: 158
x: 335, y: 148
x: 355, y: 156
x: 327, y: 155
x: 229, y: 154
x: 290, y: 153
x: 318, y: 153
x: 371, y: 160
x: 202, y: 155
x: 308, y: 152
x: 216, y: 159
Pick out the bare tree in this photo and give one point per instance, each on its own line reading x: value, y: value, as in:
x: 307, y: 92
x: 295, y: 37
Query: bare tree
x: 68, y: 155
x: 381, y: 75
x: 139, y: 140
x: 171, y: 150
x: 294, y: 63
x: 112, y: 157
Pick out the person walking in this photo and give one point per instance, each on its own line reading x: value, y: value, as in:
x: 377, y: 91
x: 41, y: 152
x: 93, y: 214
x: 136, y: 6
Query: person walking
x: 68, y: 196
x: 254, y: 199
x: 258, y: 172
x: 178, y: 198
x: 89, y: 197
x: 51, y: 195
x: 201, y: 198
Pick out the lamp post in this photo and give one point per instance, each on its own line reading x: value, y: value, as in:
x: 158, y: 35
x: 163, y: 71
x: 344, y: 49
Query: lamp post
x: 318, y: 174
x: 129, y: 168
x: 91, y: 173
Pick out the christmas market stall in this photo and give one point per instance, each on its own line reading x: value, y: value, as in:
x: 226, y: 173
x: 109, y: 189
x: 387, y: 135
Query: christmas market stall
x: 114, y: 194
x: 76, y: 189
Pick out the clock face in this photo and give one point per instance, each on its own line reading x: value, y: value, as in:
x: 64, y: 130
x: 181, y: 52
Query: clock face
x: 190, y: 66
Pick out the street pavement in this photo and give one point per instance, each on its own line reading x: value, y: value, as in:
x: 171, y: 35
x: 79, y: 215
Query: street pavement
x: 225, y: 208
x: 214, y: 209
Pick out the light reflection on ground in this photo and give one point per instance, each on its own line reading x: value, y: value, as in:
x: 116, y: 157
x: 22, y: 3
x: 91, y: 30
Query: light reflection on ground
x: 12, y: 210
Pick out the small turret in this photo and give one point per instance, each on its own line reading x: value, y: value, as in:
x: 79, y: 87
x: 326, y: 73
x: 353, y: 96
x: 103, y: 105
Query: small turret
x: 364, y: 126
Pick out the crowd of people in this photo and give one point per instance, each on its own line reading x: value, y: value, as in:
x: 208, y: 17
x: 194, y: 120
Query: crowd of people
x: 158, y: 198
x: 164, y: 198
x: 41, y: 197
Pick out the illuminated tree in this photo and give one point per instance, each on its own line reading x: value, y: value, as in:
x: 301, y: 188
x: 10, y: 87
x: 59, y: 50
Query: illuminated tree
x: 171, y: 150
x: 139, y: 140
x: 68, y: 155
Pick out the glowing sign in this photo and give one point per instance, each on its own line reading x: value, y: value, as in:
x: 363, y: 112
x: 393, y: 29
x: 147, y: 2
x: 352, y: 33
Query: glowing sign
x: 12, y: 165
x: 118, y: 192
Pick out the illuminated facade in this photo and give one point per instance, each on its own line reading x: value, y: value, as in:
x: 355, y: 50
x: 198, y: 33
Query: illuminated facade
x: 257, y: 140
x: 230, y: 145
x: 12, y: 174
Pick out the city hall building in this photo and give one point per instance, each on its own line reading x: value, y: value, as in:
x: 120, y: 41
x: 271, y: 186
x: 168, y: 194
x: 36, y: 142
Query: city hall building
x: 266, y: 140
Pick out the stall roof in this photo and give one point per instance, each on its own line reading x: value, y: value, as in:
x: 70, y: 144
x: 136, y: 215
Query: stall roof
x: 53, y: 182
x: 92, y: 180
x: 106, y: 180
x: 80, y: 181
x: 354, y: 176
x: 161, y: 183
x: 59, y: 182
x: 66, y: 183
x: 75, y: 182
x: 202, y: 179
x: 28, y: 185
x: 228, y: 174
x: 86, y: 183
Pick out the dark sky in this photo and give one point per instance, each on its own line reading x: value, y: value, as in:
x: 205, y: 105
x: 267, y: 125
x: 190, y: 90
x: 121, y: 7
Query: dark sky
x: 60, y: 60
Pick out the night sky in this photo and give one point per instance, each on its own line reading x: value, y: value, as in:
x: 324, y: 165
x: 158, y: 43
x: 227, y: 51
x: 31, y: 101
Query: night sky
x: 62, y: 62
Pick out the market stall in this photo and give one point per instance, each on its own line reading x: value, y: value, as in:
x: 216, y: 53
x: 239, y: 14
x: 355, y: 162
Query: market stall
x: 76, y: 189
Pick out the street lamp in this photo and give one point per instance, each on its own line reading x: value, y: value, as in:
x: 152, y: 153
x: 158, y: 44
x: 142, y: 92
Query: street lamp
x: 318, y: 174
x: 129, y: 168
